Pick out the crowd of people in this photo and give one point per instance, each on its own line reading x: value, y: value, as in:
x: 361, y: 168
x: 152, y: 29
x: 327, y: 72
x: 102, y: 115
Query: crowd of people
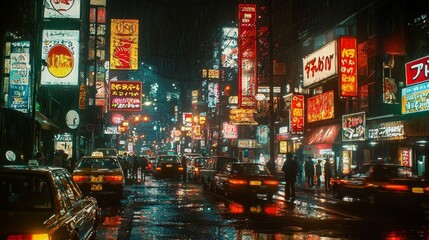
x: 134, y: 166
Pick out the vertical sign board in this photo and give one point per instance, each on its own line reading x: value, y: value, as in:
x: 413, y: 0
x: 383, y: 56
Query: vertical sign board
x: 125, y: 96
x: 247, y: 62
x: 124, y: 44
x: 297, y: 114
x: 19, y: 75
x: 417, y: 71
x: 347, y: 66
x: 60, y: 52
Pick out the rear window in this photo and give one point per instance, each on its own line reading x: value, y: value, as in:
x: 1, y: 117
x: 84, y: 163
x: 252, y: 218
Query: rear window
x: 25, y: 191
x: 168, y: 159
x: 249, y: 169
x: 107, y: 163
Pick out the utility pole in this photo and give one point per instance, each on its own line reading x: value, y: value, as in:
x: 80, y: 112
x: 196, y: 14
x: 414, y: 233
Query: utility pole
x: 271, y: 79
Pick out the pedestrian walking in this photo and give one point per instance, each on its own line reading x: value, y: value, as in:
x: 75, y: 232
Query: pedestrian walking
x: 271, y: 165
x: 185, y: 168
x: 318, y: 171
x: 309, y: 171
x: 144, y: 162
x: 290, y: 171
x: 136, y: 165
x: 328, y: 174
x: 130, y: 160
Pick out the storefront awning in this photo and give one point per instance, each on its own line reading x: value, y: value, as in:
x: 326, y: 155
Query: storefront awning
x: 322, y: 135
x: 45, y: 123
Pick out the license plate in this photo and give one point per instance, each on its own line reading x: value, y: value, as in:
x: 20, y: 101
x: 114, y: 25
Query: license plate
x: 96, y: 187
x: 255, y: 183
x: 417, y: 190
x: 97, y: 178
x: 169, y: 165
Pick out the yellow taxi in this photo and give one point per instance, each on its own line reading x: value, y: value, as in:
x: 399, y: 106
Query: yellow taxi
x: 41, y: 202
x: 99, y: 175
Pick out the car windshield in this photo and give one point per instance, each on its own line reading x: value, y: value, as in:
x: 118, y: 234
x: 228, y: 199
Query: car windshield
x: 25, y: 191
x: 168, y: 159
x: 249, y: 169
x: 98, y: 163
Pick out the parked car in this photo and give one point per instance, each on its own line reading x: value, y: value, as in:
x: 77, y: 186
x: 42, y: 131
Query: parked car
x: 383, y: 185
x: 99, y: 176
x: 41, y: 202
x: 214, y: 165
x: 247, y: 180
x: 196, y: 164
x: 168, y: 166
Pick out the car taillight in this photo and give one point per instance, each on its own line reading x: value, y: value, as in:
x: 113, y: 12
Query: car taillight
x: 80, y: 178
x: 237, y: 181
x: 114, y: 178
x: 271, y: 182
x: 426, y: 189
x: 42, y: 236
x: 396, y: 187
x: 180, y: 168
x: 158, y: 168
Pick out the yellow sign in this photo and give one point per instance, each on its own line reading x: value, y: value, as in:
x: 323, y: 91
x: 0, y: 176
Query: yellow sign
x: 124, y: 44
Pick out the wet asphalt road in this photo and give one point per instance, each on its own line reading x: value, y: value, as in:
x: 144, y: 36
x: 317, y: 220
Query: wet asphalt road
x: 170, y: 209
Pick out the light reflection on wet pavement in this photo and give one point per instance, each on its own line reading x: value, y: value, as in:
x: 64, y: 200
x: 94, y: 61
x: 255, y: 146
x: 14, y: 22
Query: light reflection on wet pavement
x: 164, y: 209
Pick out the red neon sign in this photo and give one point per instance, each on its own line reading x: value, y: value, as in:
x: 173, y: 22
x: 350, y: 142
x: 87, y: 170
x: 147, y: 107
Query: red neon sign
x: 347, y: 66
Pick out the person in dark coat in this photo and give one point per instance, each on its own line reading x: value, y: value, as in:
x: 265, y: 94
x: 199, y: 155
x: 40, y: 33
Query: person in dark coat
x: 290, y: 170
x: 309, y: 171
x: 318, y: 171
x: 328, y: 174
x: 143, y: 165
x: 271, y: 165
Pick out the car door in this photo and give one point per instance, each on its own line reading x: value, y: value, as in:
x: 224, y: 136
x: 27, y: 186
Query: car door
x: 84, y: 209
x: 221, y: 178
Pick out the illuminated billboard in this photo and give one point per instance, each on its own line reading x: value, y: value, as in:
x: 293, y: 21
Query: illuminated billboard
x: 229, y: 131
x: 125, y: 96
x: 60, y: 54
x: 354, y: 127
x: 124, y: 44
x: 229, y: 47
x: 347, y: 66
x: 297, y: 114
x: 19, y: 76
x: 415, y: 98
x: 417, y: 71
x: 247, y: 59
x: 320, y: 107
x: 62, y: 9
x: 213, y: 95
x: 320, y: 64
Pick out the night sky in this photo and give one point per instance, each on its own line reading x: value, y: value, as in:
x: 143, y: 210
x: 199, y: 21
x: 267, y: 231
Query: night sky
x: 176, y: 36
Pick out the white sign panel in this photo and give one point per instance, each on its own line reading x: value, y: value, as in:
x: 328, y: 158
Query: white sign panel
x: 62, y: 8
x: 60, y: 55
x: 321, y: 64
